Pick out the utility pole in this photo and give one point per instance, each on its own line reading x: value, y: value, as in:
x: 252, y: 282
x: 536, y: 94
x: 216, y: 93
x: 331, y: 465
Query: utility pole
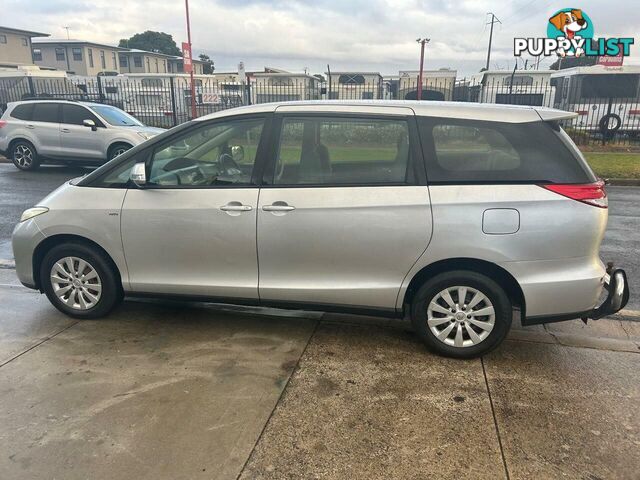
x: 494, y: 19
x: 422, y: 42
x: 194, y: 113
x: 67, y: 29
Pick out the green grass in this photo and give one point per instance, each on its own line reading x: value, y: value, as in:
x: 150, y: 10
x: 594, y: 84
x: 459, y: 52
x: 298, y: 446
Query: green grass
x: 614, y: 165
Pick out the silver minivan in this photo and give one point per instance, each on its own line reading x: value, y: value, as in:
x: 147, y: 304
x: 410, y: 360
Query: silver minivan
x: 459, y: 216
x: 33, y: 132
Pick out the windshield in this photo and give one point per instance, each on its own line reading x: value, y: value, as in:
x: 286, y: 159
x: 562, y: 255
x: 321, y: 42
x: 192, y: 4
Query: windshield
x: 115, y: 116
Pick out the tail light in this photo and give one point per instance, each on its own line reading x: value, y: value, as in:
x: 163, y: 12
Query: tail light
x: 589, y: 193
x: 582, y: 112
x: 634, y: 112
x: 2, y: 123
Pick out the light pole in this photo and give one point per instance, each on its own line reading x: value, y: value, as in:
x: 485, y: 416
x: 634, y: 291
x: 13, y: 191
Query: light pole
x: 422, y: 42
x: 193, y: 83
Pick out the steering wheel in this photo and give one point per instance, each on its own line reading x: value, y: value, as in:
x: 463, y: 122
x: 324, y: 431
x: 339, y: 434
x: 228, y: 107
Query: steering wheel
x: 228, y: 164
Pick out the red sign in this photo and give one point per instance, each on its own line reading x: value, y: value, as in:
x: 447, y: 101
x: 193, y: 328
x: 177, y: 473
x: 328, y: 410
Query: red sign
x: 612, y: 61
x: 186, y: 58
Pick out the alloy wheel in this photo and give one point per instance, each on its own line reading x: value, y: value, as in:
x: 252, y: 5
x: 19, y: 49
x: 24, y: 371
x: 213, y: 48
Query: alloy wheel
x: 461, y: 316
x: 23, y: 156
x: 76, y: 283
x: 117, y: 152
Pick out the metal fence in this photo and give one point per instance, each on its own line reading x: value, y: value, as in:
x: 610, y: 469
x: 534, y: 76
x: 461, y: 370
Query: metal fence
x: 608, y: 109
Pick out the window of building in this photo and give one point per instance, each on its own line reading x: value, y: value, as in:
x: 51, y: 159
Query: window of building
x: 3, y: 39
x: 157, y: 69
x: 148, y: 67
x: 25, y: 42
x: 90, y: 55
x: 137, y: 61
x: 342, y: 151
x: 37, y: 55
x: 77, y: 54
x: 114, y: 60
x: 164, y: 66
x: 348, y: 79
x: 367, y: 96
x: 151, y: 82
x: 124, y: 61
x: 60, y: 54
x: 103, y: 61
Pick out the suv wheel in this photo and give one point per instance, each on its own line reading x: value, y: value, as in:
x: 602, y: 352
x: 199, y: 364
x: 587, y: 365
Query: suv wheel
x: 79, y: 281
x: 117, y: 149
x: 461, y: 314
x: 24, y: 155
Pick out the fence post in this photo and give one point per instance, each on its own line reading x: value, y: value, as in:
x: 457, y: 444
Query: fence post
x: 32, y: 88
x: 100, y: 92
x: 172, y: 90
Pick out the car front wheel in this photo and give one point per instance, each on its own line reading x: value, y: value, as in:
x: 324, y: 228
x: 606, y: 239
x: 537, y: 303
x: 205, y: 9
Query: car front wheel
x: 461, y: 314
x: 24, y: 155
x: 117, y: 150
x: 80, y: 281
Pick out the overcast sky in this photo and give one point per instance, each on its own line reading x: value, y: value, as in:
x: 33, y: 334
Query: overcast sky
x: 372, y: 35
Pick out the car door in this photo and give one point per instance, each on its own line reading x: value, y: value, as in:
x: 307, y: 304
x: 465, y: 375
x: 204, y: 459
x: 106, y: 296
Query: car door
x: 79, y: 141
x: 45, y: 127
x: 192, y: 229
x: 344, y: 212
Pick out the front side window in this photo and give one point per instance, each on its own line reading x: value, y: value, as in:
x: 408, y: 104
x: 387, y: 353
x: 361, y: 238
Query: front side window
x: 115, y: 116
x: 75, y: 115
x: 342, y: 151
x: 60, y: 54
x: 471, y: 151
x: 46, y: 112
x: 222, y: 154
x: 77, y: 54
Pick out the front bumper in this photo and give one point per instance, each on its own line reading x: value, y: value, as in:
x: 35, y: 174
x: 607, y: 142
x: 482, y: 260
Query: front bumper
x: 618, y: 287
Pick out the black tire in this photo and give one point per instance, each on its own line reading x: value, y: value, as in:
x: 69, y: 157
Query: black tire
x: 117, y: 149
x: 111, y: 292
x: 503, y: 313
x: 24, y: 155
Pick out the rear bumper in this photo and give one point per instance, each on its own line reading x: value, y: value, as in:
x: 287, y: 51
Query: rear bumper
x: 617, y: 287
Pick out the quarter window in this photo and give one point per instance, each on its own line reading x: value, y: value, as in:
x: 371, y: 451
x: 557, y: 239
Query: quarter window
x: 342, y: 151
x: 22, y: 112
x: 218, y: 155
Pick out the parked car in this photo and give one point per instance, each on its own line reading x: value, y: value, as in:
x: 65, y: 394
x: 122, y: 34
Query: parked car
x: 33, y: 132
x: 456, y: 215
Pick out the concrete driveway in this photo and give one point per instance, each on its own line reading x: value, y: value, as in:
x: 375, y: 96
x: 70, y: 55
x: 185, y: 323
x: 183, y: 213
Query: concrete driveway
x: 180, y: 391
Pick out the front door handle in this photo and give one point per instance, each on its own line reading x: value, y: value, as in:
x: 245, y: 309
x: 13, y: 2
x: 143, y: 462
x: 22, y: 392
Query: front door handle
x: 278, y: 207
x: 31, y: 127
x: 236, y: 207
x: 65, y: 130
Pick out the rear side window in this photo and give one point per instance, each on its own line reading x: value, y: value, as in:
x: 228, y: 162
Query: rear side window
x: 469, y: 151
x: 46, y: 112
x: 22, y: 112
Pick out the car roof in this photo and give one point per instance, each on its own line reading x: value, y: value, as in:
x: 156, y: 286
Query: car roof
x: 59, y: 100
x: 456, y: 110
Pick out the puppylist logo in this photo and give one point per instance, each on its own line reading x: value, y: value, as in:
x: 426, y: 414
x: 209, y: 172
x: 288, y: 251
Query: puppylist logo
x: 570, y: 32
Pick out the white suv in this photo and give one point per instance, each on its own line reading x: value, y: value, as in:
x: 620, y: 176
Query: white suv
x: 62, y: 131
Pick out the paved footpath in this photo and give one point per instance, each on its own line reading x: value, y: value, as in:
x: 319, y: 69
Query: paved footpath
x: 182, y: 391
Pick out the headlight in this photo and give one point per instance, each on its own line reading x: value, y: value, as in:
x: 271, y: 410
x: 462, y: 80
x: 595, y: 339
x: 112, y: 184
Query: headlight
x: 33, y: 212
x: 146, y: 135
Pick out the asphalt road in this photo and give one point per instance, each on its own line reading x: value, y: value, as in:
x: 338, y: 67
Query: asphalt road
x: 21, y: 190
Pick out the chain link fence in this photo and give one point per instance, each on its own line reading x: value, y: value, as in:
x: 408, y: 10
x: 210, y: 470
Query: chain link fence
x: 607, y: 106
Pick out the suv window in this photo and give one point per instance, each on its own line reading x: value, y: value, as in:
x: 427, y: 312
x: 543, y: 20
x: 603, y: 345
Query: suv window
x: 46, y: 112
x: 22, y: 112
x: 470, y: 151
x: 75, y: 115
x: 342, y: 151
x: 220, y: 154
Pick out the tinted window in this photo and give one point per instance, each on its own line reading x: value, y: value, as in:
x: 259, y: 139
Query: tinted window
x: 75, y: 115
x: 46, y: 112
x: 23, y: 112
x: 339, y: 151
x: 461, y: 151
x: 613, y: 85
x: 220, y: 154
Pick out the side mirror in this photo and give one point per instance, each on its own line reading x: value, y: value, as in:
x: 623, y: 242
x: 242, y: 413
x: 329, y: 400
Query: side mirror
x: 138, y: 175
x: 90, y: 123
x: 237, y: 152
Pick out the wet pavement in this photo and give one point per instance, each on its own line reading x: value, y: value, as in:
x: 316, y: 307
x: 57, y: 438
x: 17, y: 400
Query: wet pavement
x: 174, y: 390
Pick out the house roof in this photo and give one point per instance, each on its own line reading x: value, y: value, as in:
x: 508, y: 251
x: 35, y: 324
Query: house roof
x: 147, y: 52
x: 66, y: 41
x: 29, y: 33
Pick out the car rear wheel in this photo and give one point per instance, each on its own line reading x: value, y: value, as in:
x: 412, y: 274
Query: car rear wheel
x: 80, y: 281
x: 461, y: 314
x: 24, y: 155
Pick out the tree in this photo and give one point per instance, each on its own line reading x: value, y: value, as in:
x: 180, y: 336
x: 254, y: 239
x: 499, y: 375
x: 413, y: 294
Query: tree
x: 159, y: 42
x: 208, y: 66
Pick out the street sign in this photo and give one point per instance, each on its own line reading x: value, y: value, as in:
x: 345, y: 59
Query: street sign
x: 186, y: 57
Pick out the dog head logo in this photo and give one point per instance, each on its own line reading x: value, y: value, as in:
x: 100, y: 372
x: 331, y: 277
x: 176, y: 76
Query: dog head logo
x: 572, y: 26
